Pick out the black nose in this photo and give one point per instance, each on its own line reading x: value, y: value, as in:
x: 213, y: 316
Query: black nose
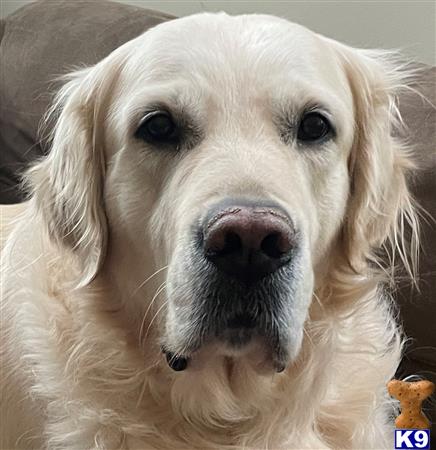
x: 249, y: 242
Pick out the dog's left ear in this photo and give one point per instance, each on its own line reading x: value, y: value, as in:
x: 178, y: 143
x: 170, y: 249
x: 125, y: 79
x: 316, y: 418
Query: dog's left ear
x: 380, y: 204
x: 67, y: 185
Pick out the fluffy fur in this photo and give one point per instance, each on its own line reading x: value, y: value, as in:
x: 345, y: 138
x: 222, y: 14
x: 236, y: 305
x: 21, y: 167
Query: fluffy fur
x: 89, y: 270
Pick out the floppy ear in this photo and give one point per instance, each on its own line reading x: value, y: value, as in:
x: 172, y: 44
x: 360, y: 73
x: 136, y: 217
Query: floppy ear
x: 68, y: 184
x: 380, y: 204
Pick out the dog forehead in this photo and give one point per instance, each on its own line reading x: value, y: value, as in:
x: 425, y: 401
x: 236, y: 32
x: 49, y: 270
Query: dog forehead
x: 244, y: 47
x: 220, y: 30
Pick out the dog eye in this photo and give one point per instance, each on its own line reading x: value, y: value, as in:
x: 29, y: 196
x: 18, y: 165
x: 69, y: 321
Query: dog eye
x: 158, y: 127
x: 313, y: 127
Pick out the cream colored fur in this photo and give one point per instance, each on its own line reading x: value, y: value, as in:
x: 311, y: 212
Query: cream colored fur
x: 88, y: 270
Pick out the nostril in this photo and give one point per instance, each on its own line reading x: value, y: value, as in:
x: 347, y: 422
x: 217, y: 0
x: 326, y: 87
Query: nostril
x: 232, y: 243
x: 270, y: 246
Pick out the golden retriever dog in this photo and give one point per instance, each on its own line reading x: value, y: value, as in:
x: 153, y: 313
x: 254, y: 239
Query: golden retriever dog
x: 198, y: 265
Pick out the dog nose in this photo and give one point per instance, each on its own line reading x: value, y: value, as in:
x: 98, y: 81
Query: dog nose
x: 249, y: 242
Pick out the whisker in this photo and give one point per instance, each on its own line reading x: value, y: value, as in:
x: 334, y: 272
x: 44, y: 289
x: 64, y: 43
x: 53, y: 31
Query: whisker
x: 148, y: 279
x: 308, y: 336
x: 318, y: 300
x: 154, y: 317
x: 158, y: 291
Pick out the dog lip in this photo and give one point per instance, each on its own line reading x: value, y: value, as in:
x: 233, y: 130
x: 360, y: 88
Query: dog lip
x: 279, y: 367
x: 176, y: 362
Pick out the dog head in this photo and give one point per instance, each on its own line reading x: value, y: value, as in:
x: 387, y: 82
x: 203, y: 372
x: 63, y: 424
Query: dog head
x: 228, y: 165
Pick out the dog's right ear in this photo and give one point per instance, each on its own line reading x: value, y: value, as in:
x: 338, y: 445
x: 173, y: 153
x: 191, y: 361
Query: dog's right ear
x: 67, y: 186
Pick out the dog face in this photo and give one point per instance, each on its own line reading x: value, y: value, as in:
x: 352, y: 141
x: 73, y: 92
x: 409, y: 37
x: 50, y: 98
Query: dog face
x: 231, y: 158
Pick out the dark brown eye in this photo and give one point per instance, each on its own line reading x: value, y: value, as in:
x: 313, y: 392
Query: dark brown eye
x: 313, y: 127
x: 158, y: 127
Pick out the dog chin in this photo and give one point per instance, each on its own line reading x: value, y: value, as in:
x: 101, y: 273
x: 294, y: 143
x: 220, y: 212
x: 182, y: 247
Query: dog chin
x: 236, y: 348
x: 254, y: 355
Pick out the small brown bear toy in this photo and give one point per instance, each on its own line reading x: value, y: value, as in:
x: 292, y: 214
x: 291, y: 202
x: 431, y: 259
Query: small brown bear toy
x: 411, y: 395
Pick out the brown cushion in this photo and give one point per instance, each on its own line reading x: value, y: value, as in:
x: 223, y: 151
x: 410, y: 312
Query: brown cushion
x: 40, y: 42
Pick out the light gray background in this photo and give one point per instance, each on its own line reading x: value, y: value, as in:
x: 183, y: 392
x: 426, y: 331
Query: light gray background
x: 405, y: 25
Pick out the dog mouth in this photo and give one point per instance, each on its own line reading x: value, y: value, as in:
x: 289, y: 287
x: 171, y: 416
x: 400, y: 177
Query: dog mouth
x: 256, y: 339
x: 216, y: 317
x: 234, y: 345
